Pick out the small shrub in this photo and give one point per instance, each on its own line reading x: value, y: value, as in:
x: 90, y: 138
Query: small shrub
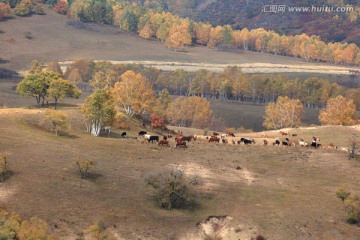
x: 3, y: 168
x: 352, y: 206
x: 171, y: 190
x: 244, y: 130
x: 342, y: 194
x: 38, y: 9
x: 84, y: 166
x: 28, y: 35
x: 97, y: 231
x: 206, y: 131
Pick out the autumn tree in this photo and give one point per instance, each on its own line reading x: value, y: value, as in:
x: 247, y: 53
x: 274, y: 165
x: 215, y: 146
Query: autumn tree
x: 284, y: 113
x: 24, y: 8
x: 37, y: 85
x: 190, y: 111
x: 100, y: 80
x: 134, y: 93
x: 61, y: 7
x: 58, y: 121
x: 157, y: 121
x: 179, y: 36
x: 215, y: 37
x: 60, y: 88
x: 36, y: 67
x: 54, y: 67
x: 5, y: 10
x: 338, y: 111
x: 202, y: 33
x: 98, y: 111
x: 75, y: 77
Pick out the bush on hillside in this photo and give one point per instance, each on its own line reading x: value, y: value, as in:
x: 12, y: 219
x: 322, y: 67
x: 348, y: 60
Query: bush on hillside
x: 171, y: 189
x: 3, y: 168
x: 352, y: 205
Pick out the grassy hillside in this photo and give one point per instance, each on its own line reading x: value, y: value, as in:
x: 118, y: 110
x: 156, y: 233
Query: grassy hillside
x: 278, y: 192
x: 251, y: 116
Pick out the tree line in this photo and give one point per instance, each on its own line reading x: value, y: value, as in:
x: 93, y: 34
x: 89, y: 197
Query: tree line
x: 177, y: 33
x: 230, y: 85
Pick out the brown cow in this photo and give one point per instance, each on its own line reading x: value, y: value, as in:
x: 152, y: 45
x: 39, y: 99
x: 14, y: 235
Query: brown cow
x: 265, y: 142
x: 231, y: 135
x: 178, y: 137
x: 224, y: 140
x: 163, y: 143
x: 180, y: 144
x: 283, y: 133
x: 214, y: 139
x: 215, y: 133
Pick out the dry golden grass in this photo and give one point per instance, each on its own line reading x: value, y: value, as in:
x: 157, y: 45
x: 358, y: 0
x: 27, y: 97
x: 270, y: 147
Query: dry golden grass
x: 279, y: 192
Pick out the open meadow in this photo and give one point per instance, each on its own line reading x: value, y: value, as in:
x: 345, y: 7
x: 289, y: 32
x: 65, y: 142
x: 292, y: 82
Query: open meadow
x: 279, y: 192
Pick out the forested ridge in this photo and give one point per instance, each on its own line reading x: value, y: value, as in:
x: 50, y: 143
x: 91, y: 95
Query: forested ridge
x: 177, y: 33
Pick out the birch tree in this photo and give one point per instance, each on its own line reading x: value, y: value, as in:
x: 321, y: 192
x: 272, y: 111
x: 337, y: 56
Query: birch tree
x: 134, y: 93
x: 98, y: 111
x: 284, y: 113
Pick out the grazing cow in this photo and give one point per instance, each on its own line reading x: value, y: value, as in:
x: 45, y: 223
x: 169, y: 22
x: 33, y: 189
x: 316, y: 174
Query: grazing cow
x: 231, y: 134
x: 178, y: 138
x: 223, y: 136
x: 277, y: 142
x: 163, y: 143
x: 187, y: 138
x: 142, y: 133
x: 153, y: 139
x: 265, y: 142
x: 285, y: 143
x: 224, y: 141
x: 302, y: 143
x: 290, y: 143
x: 247, y: 141
x: 315, y: 142
x: 294, y: 135
x: 180, y: 144
x: 283, y: 133
x: 123, y: 135
x: 214, y: 139
x: 215, y: 133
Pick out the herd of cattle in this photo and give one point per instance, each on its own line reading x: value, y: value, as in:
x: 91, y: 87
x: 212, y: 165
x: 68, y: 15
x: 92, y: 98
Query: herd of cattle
x: 182, y: 140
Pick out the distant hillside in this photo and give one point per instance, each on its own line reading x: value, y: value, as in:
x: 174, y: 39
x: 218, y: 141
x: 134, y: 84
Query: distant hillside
x: 255, y: 14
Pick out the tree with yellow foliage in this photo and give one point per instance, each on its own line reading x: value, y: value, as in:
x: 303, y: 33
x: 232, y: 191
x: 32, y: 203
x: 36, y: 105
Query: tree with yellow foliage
x: 285, y: 112
x: 215, y: 37
x: 134, y: 93
x: 179, y: 36
x: 338, y: 111
x: 190, y: 111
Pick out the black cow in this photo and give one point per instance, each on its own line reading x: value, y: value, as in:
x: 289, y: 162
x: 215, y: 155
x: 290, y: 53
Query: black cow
x: 123, y: 135
x: 142, y: 133
x: 277, y: 142
x: 153, y: 139
x: 247, y: 141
